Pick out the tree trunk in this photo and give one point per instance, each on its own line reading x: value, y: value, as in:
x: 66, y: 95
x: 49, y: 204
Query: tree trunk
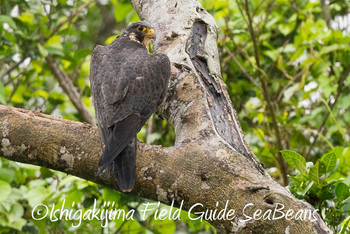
x: 210, y: 163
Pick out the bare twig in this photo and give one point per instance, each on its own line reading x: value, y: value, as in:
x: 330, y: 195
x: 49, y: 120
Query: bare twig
x: 280, y: 161
x: 272, y: 68
x: 257, y: 7
x: 294, y: 5
x: 71, y: 16
x: 242, y: 52
x: 331, y: 106
x: 232, y: 56
x: 69, y: 88
x: 64, y: 80
x: 241, y: 11
x: 11, y: 68
x: 245, y: 72
x: 326, y: 13
x: 15, y: 86
x: 290, y: 82
x: 149, y: 130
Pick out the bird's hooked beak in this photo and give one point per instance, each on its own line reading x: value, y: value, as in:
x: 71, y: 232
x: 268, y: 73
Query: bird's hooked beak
x: 150, y: 33
x: 150, y: 36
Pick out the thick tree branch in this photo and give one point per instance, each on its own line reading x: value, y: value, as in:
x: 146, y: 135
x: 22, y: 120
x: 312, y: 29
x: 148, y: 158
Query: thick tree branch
x: 192, y: 173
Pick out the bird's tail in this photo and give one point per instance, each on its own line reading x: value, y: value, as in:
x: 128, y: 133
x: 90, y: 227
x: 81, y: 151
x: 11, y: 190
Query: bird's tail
x: 124, y: 167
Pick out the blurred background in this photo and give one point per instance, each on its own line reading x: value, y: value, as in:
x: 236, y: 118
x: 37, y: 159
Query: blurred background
x: 286, y: 64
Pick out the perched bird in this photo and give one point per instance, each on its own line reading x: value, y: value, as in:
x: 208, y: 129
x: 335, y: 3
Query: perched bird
x: 127, y: 85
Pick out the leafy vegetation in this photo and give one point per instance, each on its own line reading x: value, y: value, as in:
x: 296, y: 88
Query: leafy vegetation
x: 322, y: 184
x: 286, y: 70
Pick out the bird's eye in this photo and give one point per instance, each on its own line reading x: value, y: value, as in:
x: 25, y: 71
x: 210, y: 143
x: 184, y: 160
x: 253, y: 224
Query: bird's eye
x: 140, y: 28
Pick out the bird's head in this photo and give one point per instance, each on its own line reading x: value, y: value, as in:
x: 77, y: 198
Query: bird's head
x: 140, y: 32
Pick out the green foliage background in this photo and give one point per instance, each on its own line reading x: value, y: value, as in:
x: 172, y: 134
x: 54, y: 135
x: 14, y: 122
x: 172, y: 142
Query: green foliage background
x: 280, y: 54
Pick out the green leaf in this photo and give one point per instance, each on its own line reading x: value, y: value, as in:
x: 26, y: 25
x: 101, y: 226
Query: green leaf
x: 329, y: 160
x: 40, y: 224
x: 342, y: 191
x: 26, y: 18
x: 297, y: 54
x: 110, y: 195
x: 16, y: 212
x: 110, y: 39
x: 208, y: 4
x: 325, y: 85
x: 344, y: 101
x: 273, y: 54
x: 36, y: 195
x: 41, y: 93
x: 121, y: 10
x: 306, y: 188
x: 53, y: 46
x: 7, y: 174
x: 75, y: 196
x: 5, y: 190
x: 285, y: 29
x: 297, y: 181
x: 288, y: 93
x: 55, y: 51
x: 295, y: 160
x: 347, y: 117
x: 45, y: 172
x: 82, y: 53
x: 53, y: 40
x: 2, y: 94
x: 18, y: 224
x: 327, y: 192
x: 67, y: 181
x: 328, y: 49
x: 315, y: 173
x: 259, y: 132
x: 346, y: 227
x: 42, y: 50
x: 8, y: 20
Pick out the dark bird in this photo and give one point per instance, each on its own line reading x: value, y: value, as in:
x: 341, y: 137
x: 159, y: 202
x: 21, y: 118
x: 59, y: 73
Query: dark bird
x: 127, y: 85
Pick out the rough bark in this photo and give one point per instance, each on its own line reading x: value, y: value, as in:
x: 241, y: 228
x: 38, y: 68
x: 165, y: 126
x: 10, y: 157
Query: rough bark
x: 210, y: 163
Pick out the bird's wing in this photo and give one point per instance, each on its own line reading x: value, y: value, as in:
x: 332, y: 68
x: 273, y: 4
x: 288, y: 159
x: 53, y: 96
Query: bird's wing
x: 116, y: 83
x: 109, y: 85
x: 97, y: 72
x: 162, y: 65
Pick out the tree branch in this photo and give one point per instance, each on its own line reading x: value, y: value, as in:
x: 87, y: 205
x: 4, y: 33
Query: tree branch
x: 63, y: 79
x: 10, y: 69
x: 331, y: 106
x: 326, y: 13
x: 71, y: 16
x: 245, y: 72
x: 192, y: 173
x: 69, y: 88
x: 279, y: 159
